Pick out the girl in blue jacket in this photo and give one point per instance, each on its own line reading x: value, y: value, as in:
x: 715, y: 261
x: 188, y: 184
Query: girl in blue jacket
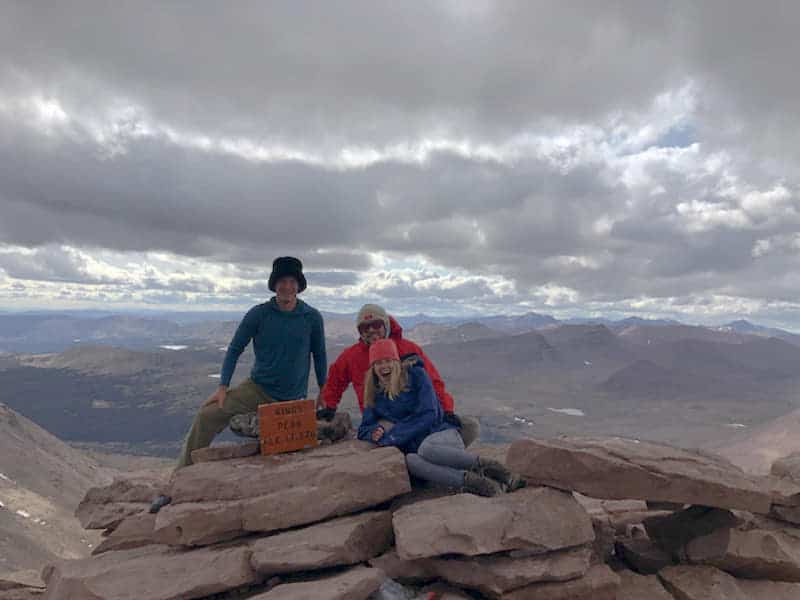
x: 401, y: 409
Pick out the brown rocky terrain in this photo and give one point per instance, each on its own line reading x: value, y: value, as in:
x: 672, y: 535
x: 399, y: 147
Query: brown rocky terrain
x: 759, y: 449
x: 343, y: 521
x: 41, y: 481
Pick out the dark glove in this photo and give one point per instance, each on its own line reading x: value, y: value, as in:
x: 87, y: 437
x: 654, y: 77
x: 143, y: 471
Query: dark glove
x: 325, y: 414
x: 453, y: 419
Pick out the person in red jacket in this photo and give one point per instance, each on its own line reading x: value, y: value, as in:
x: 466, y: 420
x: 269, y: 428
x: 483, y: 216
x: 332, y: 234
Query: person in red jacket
x: 374, y: 323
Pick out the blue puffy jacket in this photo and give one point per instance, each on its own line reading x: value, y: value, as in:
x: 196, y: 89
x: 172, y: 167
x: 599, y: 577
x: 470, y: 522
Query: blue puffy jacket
x: 416, y: 413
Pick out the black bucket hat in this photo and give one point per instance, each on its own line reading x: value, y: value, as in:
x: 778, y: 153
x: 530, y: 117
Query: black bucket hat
x: 287, y: 266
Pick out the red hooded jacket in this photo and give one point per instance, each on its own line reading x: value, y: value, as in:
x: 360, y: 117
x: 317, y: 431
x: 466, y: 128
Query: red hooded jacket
x: 353, y: 364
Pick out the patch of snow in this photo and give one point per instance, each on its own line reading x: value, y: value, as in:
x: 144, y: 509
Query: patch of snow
x: 573, y: 412
x: 2, y: 505
x: 223, y: 349
x: 76, y: 341
x: 24, y: 514
x: 215, y: 376
x: 588, y: 363
x: 736, y: 425
x: 4, y: 477
x: 172, y: 347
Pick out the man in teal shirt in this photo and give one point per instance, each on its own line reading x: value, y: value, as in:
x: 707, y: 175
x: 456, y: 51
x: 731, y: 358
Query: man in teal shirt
x: 284, y: 332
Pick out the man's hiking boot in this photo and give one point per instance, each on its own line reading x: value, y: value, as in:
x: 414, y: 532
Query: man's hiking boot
x: 498, y: 472
x: 480, y: 485
x: 159, y: 503
x: 245, y: 424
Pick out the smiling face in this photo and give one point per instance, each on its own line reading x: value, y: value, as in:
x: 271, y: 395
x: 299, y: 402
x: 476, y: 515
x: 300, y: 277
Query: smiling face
x: 383, y: 368
x: 372, y: 331
x: 286, y: 290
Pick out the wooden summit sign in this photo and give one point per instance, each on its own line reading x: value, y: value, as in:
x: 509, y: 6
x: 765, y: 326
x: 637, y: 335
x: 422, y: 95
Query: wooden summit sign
x: 287, y: 426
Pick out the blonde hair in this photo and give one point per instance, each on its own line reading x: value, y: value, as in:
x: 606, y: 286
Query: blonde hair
x: 398, y: 382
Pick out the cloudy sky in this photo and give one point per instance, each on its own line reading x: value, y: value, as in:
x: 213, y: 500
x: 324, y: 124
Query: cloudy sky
x: 452, y: 157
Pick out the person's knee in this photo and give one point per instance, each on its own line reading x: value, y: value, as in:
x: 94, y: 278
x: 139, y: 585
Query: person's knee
x: 210, y: 416
x: 414, y: 462
x: 425, y: 449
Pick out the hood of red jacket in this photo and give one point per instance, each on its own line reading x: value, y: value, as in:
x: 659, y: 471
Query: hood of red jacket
x: 395, y: 332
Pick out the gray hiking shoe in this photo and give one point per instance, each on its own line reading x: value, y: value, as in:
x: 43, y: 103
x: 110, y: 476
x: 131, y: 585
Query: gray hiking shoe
x: 245, y: 424
x: 500, y: 473
x: 480, y: 485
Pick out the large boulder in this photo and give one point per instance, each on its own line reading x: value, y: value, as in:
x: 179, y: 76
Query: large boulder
x: 708, y: 583
x: 342, y: 541
x: 215, y: 501
x: 618, y: 468
x: 355, y: 584
x: 599, y: 583
x: 538, y: 519
x: 753, y: 554
x: 153, y: 572
x: 256, y: 476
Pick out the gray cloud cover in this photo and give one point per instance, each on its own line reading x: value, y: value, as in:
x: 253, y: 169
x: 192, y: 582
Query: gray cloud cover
x: 636, y: 156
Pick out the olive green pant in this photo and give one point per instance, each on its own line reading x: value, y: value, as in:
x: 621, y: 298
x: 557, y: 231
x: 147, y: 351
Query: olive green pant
x: 211, y: 420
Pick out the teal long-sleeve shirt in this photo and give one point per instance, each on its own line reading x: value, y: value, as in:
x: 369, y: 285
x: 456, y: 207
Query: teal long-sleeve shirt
x: 282, y: 342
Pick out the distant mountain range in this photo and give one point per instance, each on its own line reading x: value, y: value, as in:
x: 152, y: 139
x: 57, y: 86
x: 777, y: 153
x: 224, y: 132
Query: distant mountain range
x: 670, y: 382
x: 54, y: 332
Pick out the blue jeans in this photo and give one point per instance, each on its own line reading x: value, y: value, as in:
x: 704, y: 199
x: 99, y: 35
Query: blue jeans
x: 441, y: 459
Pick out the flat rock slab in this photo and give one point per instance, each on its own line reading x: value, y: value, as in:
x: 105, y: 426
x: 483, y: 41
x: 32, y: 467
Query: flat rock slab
x: 22, y: 594
x: 226, y: 451
x: 153, y: 572
x: 633, y: 586
x: 495, y: 575
x: 618, y: 468
x: 753, y: 554
x: 356, y: 584
x: 642, y: 555
x: 343, y: 541
x: 708, y: 583
x: 106, y: 506
x: 216, y: 501
x: 29, y: 578
x: 132, y: 532
x: 599, y: 583
x: 538, y: 519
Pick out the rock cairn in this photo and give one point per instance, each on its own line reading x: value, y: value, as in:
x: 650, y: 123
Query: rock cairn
x: 601, y: 519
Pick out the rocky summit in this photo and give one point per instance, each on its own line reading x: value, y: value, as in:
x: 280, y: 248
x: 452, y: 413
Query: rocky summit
x: 600, y: 519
